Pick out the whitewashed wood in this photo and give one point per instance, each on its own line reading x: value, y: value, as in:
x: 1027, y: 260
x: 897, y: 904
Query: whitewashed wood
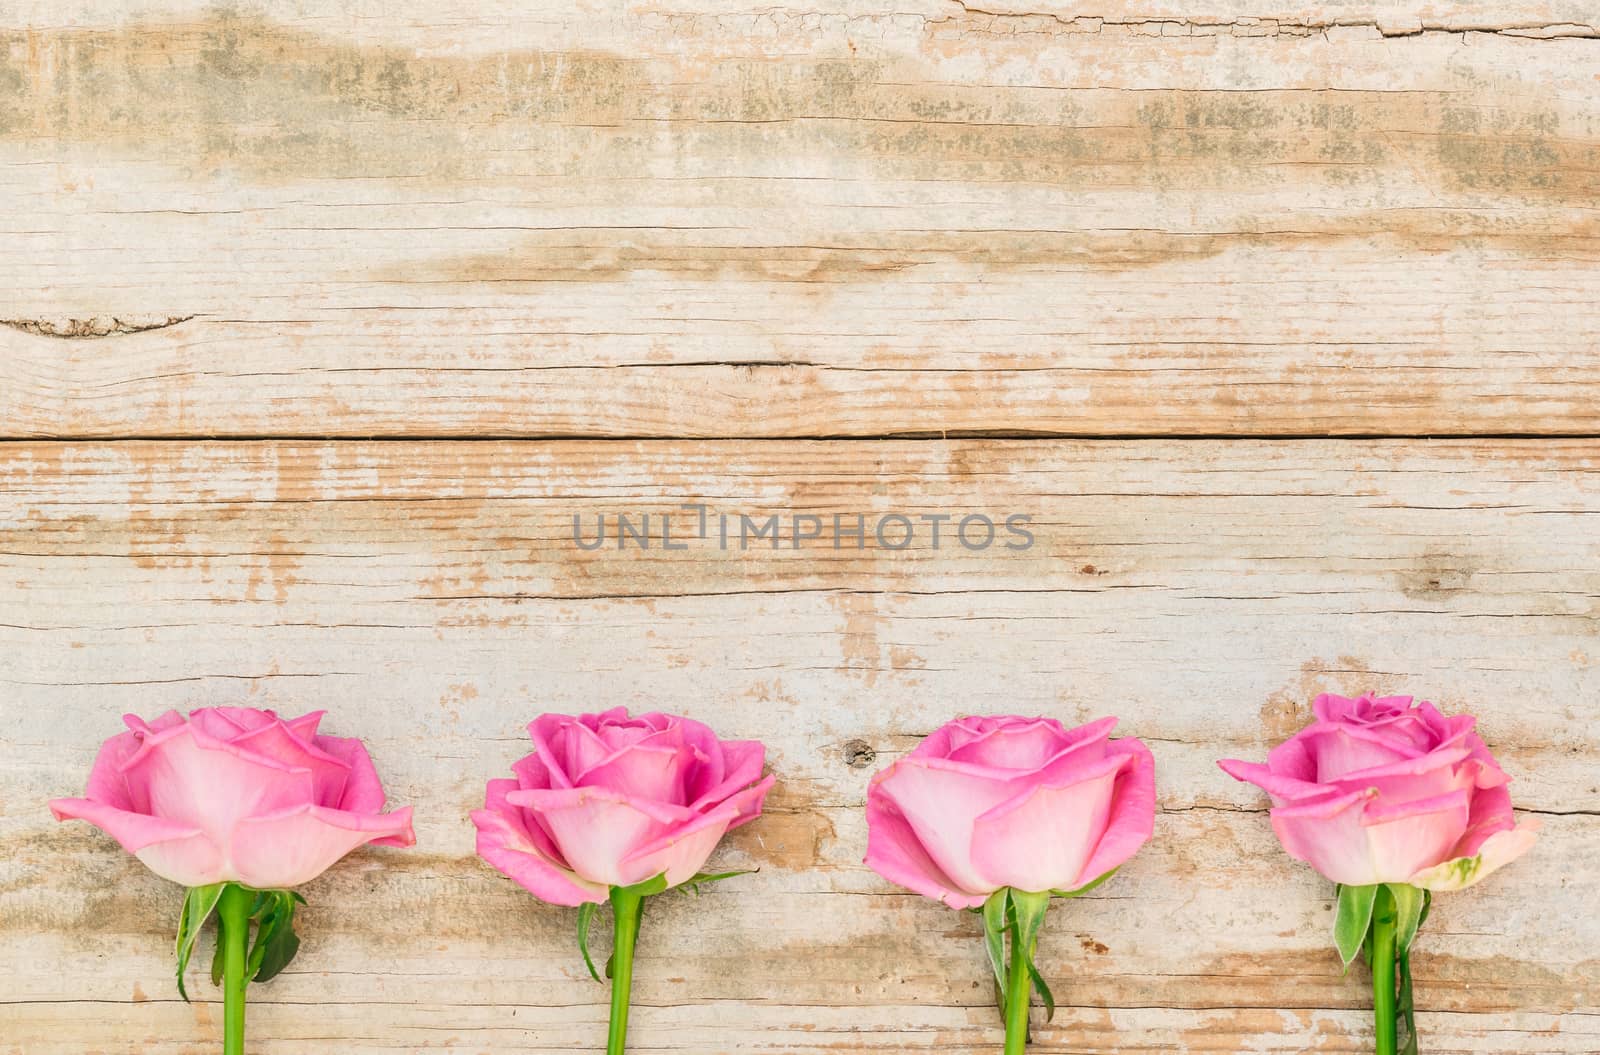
x: 711, y: 219
x: 429, y: 596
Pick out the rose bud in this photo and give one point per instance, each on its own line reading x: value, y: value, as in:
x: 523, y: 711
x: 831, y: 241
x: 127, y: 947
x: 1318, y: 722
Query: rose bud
x: 239, y: 806
x: 997, y: 814
x: 1392, y: 802
x: 616, y: 808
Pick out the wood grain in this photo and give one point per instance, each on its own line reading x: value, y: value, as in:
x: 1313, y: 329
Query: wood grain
x: 696, y: 219
x: 430, y: 595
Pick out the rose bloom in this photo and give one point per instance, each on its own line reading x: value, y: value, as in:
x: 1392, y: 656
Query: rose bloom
x: 236, y: 794
x: 985, y: 803
x: 1378, y: 791
x: 610, y: 800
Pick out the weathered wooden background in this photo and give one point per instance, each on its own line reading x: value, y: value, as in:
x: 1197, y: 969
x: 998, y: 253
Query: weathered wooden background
x: 323, y: 317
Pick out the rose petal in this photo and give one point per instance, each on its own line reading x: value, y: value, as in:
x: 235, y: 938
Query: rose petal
x: 293, y: 847
x: 1327, y: 834
x: 170, y: 849
x: 741, y: 766
x: 644, y: 772
x: 1042, y: 838
x: 595, y: 829
x: 276, y: 740
x: 896, y: 854
x: 1283, y: 789
x: 1406, y: 836
x: 680, y: 852
x: 206, y: 783
x: 1497, y: 851
x: 1025, y: 744
x: 361, y: 791
x: 1340, y: 750
x: 1133, y: 812
x: 941, y: 801
x: 525, y: 853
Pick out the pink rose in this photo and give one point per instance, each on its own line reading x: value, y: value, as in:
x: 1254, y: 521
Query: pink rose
x: 1378, y: 791
x: 987, y: 803
x: 236, y: 794
x: 606, y: 801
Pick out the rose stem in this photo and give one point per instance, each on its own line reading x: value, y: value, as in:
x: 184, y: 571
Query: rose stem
x: 625, y: 907
x: 1384, y: 914
x: 1019, y: 994
x: 233, y: 921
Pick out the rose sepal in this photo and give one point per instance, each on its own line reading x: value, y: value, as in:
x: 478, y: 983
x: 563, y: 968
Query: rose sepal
x: 1016, y: 917
x: 271, y: 912
x: 627, y: 909
x: 239, y: 960
x: 1381, y: 921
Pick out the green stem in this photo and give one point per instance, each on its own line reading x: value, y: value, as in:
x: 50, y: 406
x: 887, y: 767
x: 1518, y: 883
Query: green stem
x: 233, y: 922
x: 1384, y: 914
x: 1019, y: 994
x: 626, y: 903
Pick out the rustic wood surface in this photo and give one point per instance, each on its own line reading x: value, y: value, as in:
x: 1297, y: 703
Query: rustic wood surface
x: 431, y: 596
x: 858, y: 219
x: 323, y: 318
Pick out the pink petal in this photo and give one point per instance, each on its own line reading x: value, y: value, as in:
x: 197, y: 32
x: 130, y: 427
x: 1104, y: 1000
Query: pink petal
x: 106, y: 781
x: 1026, y: 744
x: 747, y: 804
x: 169, y: 849
x: 1327, y: 834
x: 295, y: 846
x: 941, y: 801
x: 597, y: 829
x: 1283, y: 789
x: 1490, y: 813
x: 362, y: 791
x: 642, y: 772
x: 168, y: 720
x: 206, y: 783
x: 525, y: 855
x: 568, y: 746
x: 1133, y: 812
x: 1340, y: 750
x: 680, y: 852
x: 1406, y: 836
x: 1414, y: 778
x: 1043, y: 837
x: 1293, y: 759
x: 525, y: 824
x: 895, y: 853
x: 1497, y: 851
x: 741, y: 766
x: 276, y: 740
x: 1330, y: 707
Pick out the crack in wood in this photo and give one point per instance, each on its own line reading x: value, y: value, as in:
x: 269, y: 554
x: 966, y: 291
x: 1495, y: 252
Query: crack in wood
x: 95, y: 326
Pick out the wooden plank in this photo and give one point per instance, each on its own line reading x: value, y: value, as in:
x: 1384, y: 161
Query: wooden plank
x: 696, y: 219
x: 431, y: 596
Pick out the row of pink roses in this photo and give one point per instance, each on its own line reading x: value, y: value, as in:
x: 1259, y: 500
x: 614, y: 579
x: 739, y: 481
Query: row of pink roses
x: 993, y: 814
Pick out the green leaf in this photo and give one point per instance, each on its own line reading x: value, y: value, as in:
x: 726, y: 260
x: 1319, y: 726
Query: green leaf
x: 701, y: 878
x: 994, y: 939
x: 1044, y: 991
x: 276, y: 942
x: 585, y: 917
x: 1087, y: 886
x: 198, y: 904
x: 1407, y: 1010
x: 1353, y: 920
x: 1029, y: 912
x: 1408, y: 903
